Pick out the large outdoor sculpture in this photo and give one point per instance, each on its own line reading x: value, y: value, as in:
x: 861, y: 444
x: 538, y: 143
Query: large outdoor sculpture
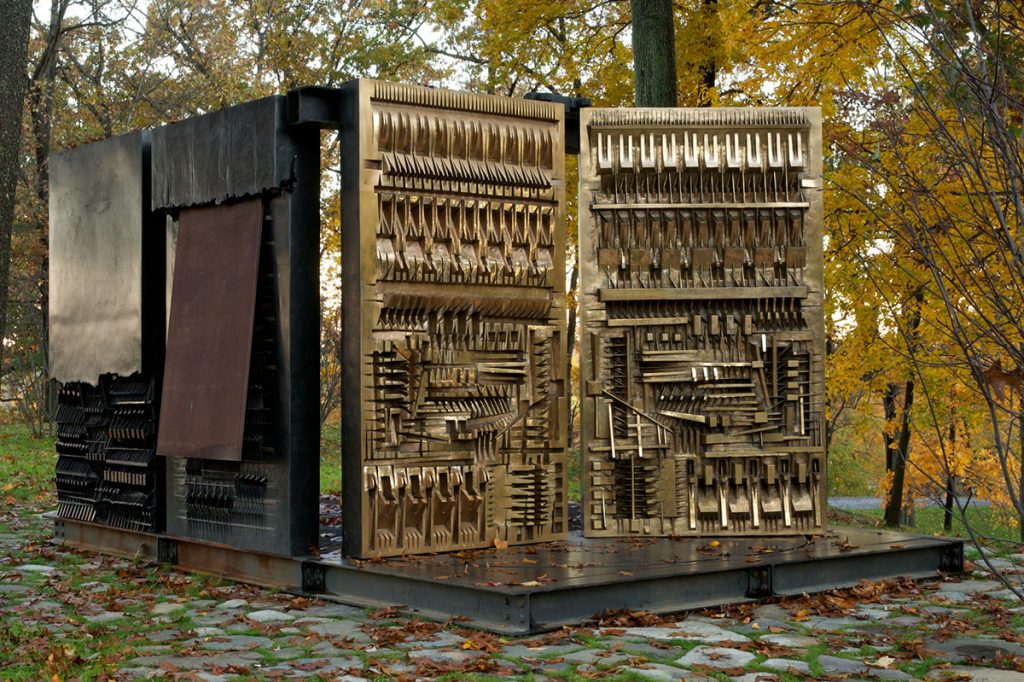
x: 207, y: 229
x: 701, y: 340
x: 184, y: 330
x: 702, y: 331
x: 454, y: 318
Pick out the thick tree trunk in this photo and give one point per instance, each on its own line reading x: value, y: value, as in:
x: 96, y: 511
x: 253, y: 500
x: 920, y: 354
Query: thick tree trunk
x: 15, y: 21
x: 654, y: 53
x: 1020, y: 481
x: 894, y: 507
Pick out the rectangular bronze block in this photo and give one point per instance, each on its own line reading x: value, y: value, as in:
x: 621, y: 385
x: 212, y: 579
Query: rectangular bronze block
x: 702, y: 352
x: 454, y: 317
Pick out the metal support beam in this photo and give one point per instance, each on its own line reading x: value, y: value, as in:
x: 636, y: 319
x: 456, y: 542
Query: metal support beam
x: 666, y: 576
x: 572, y: 115
x: 315, y: 105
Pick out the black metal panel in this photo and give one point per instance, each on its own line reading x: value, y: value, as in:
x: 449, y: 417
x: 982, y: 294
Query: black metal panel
x: 315, y: 105
x: 267, y: 502
x: 96, y: 272
x: 242, y: 503
x: 234, y: 152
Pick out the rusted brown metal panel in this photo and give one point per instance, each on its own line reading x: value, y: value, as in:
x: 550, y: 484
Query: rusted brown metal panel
x: 702, y: 339
x: 209, y: 337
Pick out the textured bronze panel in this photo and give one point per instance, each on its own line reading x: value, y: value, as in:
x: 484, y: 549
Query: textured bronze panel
x: 96, y: 220
x: 454, y: 318
x: 702, y: 339
x: 209, y: 337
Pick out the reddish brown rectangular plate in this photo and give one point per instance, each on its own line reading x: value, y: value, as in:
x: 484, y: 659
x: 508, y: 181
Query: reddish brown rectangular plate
x: 209, y: 336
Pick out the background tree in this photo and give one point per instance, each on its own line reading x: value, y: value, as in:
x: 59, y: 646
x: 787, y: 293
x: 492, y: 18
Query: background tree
x: 15, y: 19
x: 654, y: 53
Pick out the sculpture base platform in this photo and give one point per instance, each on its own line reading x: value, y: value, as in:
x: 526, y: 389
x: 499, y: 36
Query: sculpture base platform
x: 535, y: 588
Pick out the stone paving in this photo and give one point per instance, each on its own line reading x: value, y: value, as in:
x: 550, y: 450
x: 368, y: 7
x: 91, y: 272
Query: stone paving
x: 67, y: 615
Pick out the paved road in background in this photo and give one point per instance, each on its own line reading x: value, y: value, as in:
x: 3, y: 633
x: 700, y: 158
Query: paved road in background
x: 854, y: 503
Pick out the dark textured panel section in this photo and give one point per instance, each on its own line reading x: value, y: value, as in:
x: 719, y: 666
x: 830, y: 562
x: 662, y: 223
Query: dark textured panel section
x: 96, y: 221
x: 230, y: 153
x: 106, y: 468
x: 210, y: 332
x: 246, y: 503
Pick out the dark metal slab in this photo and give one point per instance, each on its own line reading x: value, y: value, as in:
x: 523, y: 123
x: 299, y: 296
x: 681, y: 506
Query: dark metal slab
x: 96, y: 221
x: 266, y: 503
x: 226, y: 154
x: 543, y: 587
x: 209, y: 339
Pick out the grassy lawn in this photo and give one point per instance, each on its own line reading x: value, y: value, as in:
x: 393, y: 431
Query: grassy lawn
x: 928, y: 521
x: 330, y: 457
x: 26, y: 467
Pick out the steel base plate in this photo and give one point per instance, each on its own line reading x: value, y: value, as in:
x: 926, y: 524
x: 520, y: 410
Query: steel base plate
x: 527, y: 589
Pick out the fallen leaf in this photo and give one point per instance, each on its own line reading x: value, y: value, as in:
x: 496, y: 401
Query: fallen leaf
x: 883, y: 662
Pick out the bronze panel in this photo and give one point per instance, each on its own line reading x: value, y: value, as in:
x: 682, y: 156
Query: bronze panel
x: 454, y: 312
x: 702, y: 335
x: 209, y: 337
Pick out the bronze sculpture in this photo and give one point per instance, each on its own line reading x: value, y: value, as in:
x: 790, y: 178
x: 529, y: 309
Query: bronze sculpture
x: 702, y: 331
x: 454, y: 317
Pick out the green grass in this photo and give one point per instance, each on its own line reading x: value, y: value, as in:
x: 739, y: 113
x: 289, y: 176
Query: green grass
x: 928, y: 521
x: 330, y: 457
x: 575, y: 473
x: 26, y: 466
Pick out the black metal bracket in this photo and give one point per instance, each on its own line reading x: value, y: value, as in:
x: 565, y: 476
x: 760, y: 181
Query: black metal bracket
x: 166, y: 550
x: 951, y: 559
x: 572, y: 115
x: 760, y: 582
x: 314, y: 577
x: 315, y: 105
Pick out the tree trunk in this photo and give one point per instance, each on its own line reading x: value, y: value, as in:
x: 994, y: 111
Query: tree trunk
x: 654, y: 53
x: 709, y: 69
x: 574, y: 276
x: 1020, y: 482
x: 15, y: 21
x: 947, y: 515
x: 889, y: 410
x: 40, y: 105
x: 894, y: 507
